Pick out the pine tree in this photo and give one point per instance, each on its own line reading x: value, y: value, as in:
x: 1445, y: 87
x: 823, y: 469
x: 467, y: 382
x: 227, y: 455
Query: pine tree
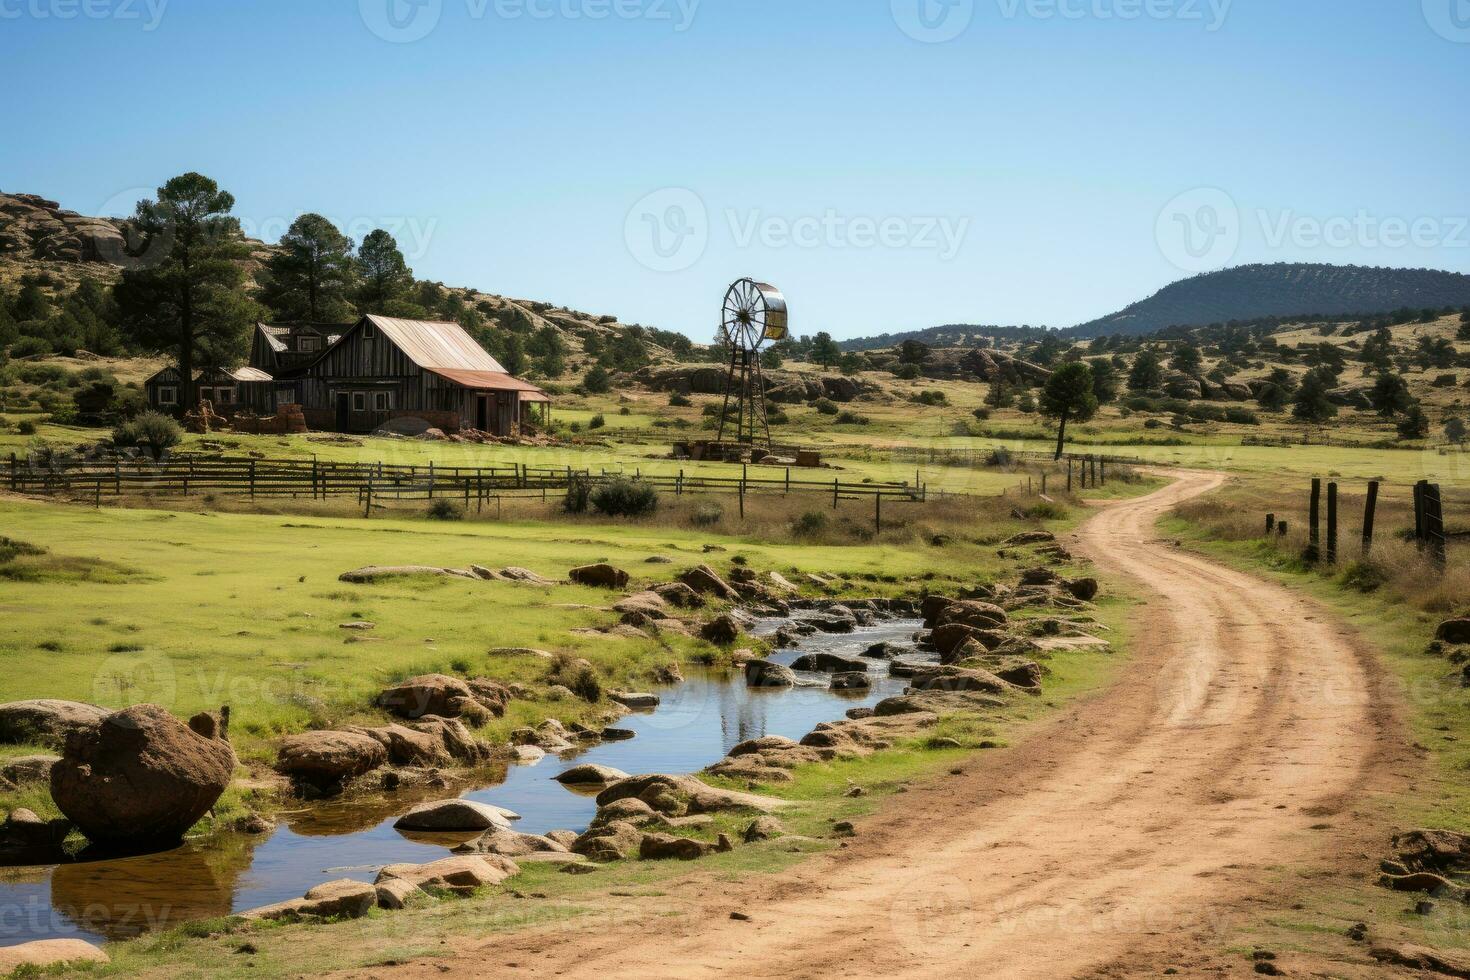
x: 311, y: 273
x: 1312, y: 403
x: 385, y: 277
x: 1068, y: 396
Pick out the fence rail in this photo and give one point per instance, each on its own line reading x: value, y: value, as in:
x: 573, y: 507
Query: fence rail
x: 186, y: 476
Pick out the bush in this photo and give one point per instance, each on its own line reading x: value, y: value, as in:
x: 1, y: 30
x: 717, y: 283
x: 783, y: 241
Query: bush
x: 443, y: 509
x: 576, y: 675
x: 707, y: 514
x: 933, y: 398
x: 579, y: 495
x: 30, y: 347
x: 1241, y: 416
x: 596, y: 422
x: 982, y: 413
x: 826, y: 406
x: 677, y: 400
x: 153, y: 431
x: 852, y: 418
x: 625, y: 498
x: 26, y: 427
x: 908, y: 372
x: 809, y: 524
x: 625, y: 410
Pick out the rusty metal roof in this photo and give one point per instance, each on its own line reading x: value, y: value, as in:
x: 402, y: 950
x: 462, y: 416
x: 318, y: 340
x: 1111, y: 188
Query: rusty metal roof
x: 493, y: 381
x: 437, y: 347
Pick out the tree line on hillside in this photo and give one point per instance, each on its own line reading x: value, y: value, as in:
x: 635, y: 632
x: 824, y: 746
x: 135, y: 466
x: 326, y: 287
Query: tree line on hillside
x: 184, y: 293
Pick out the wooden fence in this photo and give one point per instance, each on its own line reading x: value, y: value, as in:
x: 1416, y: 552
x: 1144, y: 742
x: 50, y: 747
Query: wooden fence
x: 1429, y: 527
x: 193, y: 475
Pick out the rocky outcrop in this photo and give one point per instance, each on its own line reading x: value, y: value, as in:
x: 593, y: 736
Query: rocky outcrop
x: 326, y: 760
x: 46, y: 721
x: 448, y: 697
x: 699, y: 797
x: 379, y: 573
x: 1453, y: 631
x: 27, y: 770
x: 32, y: 227
x: 461, y: 874
x: 590, y: 774
x: 829, y: 663
x: 706, y: 581
x: 141, y: 776
x: 335, y: 899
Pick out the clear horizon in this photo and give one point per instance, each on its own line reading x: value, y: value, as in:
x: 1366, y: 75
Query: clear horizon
x: 890, y: 165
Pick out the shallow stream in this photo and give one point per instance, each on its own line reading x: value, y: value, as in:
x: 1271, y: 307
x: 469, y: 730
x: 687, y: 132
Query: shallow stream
x: 696, y: 724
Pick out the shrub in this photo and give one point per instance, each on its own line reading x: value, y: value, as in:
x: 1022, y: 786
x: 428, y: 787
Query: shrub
x: 934, y: 397
x: 852, y: 418
x: 826, y: 406
x: 677, y: 400
x: 777, y: 416
x: 707, y: 514
x: 577, y: 675
x: 1241, y: 416
x: 26, y: 427
x: 596, y: 422
x: 153, y: 431
x: 444, y: 509
x: 1026, y: 403
x: 625, y: 498
x: 981, y: 413
x: 579, y: 495
x: 1364, y: 576
x: 625, y: 410
x: 809, y: 524
x: 30, y: 347
x: 908, y: 372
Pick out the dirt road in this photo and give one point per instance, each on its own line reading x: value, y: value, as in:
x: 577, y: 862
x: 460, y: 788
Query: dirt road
x: 1122, y: 839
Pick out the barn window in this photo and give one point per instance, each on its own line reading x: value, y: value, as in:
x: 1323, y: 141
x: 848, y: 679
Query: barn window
x: 359, y: 401
x: 308, y: 343
x: 223, y: 396
x: 168, y: 395
x: 382, y: 401
x: 368, y: 331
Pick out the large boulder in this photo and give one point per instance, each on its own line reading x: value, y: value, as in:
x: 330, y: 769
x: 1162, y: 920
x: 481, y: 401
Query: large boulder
x: 1453, y: 631
x: 600, y: 575
x: 610, y: 841
x: 328, y: 759
x: 449, y: 816
x: 721, y: 631
x: 590, y: 774
x: 46, y: 721
x: 700, y: 797
x: 829, y: 663
x: 510, y: 843
x: 663, y: 847
x: 141, y: 776
x: 765, y: 673
x: 972, y: 612
x: 706, y: 581
x: 959, y: 679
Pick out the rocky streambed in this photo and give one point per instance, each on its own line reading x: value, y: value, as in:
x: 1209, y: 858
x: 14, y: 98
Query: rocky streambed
x: 694, y: 725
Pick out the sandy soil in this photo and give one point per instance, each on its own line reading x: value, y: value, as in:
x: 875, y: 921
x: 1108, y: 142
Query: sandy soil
x: 1131, y: 835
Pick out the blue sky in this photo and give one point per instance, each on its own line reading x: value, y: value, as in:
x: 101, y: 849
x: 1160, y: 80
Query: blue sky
x: 1050, y: 162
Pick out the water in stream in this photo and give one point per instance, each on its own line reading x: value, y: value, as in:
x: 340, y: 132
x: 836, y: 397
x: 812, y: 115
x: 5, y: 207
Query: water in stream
x: 696, y: 724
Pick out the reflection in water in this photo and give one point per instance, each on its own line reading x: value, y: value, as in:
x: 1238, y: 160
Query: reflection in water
x: 697, y: 723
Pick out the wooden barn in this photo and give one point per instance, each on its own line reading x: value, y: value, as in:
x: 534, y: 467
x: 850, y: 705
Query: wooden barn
x: 228, y: 391
x: 384, y: 368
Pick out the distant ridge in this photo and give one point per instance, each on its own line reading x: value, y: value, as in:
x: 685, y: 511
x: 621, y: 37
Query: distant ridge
x: 1283, y: 289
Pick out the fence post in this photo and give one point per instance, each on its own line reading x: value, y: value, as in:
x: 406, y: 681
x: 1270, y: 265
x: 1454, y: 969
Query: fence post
x: 1419, y: 489
x: 1369, y: 507
x: 742, y: 498
x: 1069, y: 474
x: 877, y: 512
x: 1270, y: 523
x: 431, y: 479
x: 834, y: 494
x: 116, y: 474
x: 252, y: 479
x: 367, y: 510
x: 788, y: 480
x: 1332, y: 523
x: 13, y: 484
x: 1434, y: 523
x: 1314, y: 521
x: 1043, y: 484
x: 1102, y: 471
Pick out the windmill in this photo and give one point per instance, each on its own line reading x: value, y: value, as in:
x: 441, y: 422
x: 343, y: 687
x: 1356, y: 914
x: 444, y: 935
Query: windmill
x: 753, y: 314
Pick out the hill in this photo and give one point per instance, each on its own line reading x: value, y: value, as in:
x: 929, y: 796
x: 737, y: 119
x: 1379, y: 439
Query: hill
x: 949, y: 335
x: 43, y: 244
x: 1284, y: 289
